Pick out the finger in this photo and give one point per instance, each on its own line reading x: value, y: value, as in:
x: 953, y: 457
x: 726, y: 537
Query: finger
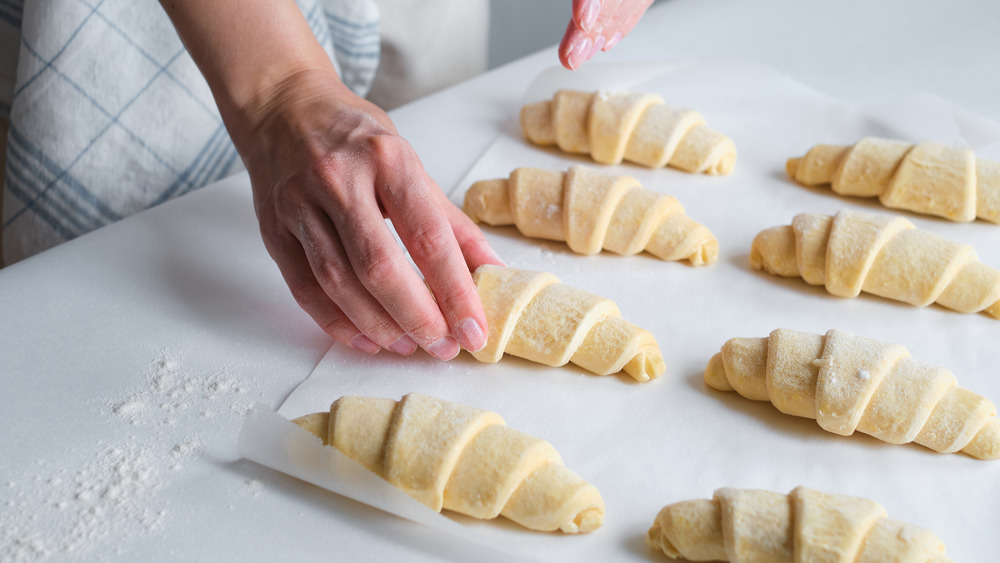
x: 579, y: 45
x: 627, y: 18
x: 295, y: 269
x: 380, y: 264
x: 574, y: 46
x: 585, y: 13
x: 425, y: 227
x: 470, y: 237
x: 334, y: 274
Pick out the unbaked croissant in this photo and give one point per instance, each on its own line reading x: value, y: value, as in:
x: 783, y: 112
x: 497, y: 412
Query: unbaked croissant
x: 804, y: 526
x: 465, y: 459
x: 849, y: 383
x: 591, y: 210
x: 883, y: 255
x: 928, y: 178
x: 533, y: 316
x: 636, y: 127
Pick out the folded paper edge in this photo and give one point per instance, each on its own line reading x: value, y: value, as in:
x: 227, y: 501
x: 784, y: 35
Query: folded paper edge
x: 271, y: 440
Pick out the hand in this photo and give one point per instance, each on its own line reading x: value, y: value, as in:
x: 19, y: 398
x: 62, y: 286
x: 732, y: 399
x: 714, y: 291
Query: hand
x: 326, y: 168
x: 598, y: 25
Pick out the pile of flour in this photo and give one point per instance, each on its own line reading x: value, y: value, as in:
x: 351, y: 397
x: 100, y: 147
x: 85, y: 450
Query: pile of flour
x: 59, y: 511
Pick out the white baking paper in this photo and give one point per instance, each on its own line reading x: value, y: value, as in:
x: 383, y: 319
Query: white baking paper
x: 272, y: 440
x: 645, y: 445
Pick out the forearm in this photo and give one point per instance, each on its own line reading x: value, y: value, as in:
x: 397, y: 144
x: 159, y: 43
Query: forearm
x: 327, y: 168
x: 247, y: 49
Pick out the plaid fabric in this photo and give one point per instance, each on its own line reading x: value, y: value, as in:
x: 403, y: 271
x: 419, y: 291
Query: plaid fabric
x: 10, y: 35
x: 109, y: 114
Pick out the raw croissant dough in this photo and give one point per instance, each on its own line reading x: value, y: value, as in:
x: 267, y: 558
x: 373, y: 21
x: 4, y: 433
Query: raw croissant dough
x: 636, y: 127
x: 804, y: 526
x: 590, y: 210
x: 849, y: 383
x: 531, y: 315
x: 883, y: 255
x: 926, y: 178
x: 461, y: 458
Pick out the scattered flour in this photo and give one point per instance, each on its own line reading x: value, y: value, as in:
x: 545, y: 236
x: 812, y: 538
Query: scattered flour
x: 109, y: 497
x: 173, y: 391
x: 183, y: 450
x: 255, y: 486
x: 131, y: 408
x: 70, y: 512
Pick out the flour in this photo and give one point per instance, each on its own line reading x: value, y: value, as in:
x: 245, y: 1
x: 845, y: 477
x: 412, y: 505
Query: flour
x: 171, y: 391
x: 56, y: 511
x: 255, y: 486
x: 130, y: 409
x: 109, y: 497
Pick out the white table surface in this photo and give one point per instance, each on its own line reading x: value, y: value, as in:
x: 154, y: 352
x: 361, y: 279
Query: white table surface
x: 83, y: 325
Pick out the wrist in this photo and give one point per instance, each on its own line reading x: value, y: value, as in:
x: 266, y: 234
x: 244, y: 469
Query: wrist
x: 249, y: 52
x: 280, y: 100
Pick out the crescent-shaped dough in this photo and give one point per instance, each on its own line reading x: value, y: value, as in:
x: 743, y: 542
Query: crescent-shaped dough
x: 882, y: 255
x: 804, y: 526
x: 590, y: 211
x: 847, y: 383
x: 533, y: 316
x: 637, y: 127
x: 452, y: 456
x: 928, y: 177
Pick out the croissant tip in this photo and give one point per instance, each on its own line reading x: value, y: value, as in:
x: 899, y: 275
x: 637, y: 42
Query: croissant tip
x: 986, y: 443
x: 725, y: 166
x: 773, y: 251
x: 756, y: 259
x: 646, y: 366
x: 316, y: 424
x: 656, y: 539
x: 585, y: 522
x: 994, y: 310
x: 792, y: 167
x: 706, y: 255
x: 715, y: 374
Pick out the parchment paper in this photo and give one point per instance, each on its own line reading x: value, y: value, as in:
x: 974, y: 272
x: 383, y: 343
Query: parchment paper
x: 645, y: 445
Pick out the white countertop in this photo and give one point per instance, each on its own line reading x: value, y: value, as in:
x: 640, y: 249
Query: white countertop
x: 128, y: 356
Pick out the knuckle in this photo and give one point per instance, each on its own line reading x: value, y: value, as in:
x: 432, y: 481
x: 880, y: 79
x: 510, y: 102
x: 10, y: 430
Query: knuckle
x: 378, y: 269
x: 308, y: 295
x: 303, y: 294
x: 385, y: 142
x: 339, y: 327
x: 331, y: 177
x: 278, y: 242
x: 423, y: 328
x: 332, y: 276
x: 378, y: 328
x: 429, y: 241
x: 459, y: 294
x: 390, y: 149
x: 290, y: 204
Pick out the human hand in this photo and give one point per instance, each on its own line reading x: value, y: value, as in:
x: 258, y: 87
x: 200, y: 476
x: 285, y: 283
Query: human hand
x: 598, y: 25
x: 327, y: 167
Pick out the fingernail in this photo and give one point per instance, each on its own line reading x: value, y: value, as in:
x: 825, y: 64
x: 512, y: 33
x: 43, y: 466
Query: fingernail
x: 404, y: 346
x: 578, y: 53
x: 444, y: 349
x: 470, y: 334
x: 365, y: 344
x: 613, y: 41
x: 590, y: 12
x: 598, y: 43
